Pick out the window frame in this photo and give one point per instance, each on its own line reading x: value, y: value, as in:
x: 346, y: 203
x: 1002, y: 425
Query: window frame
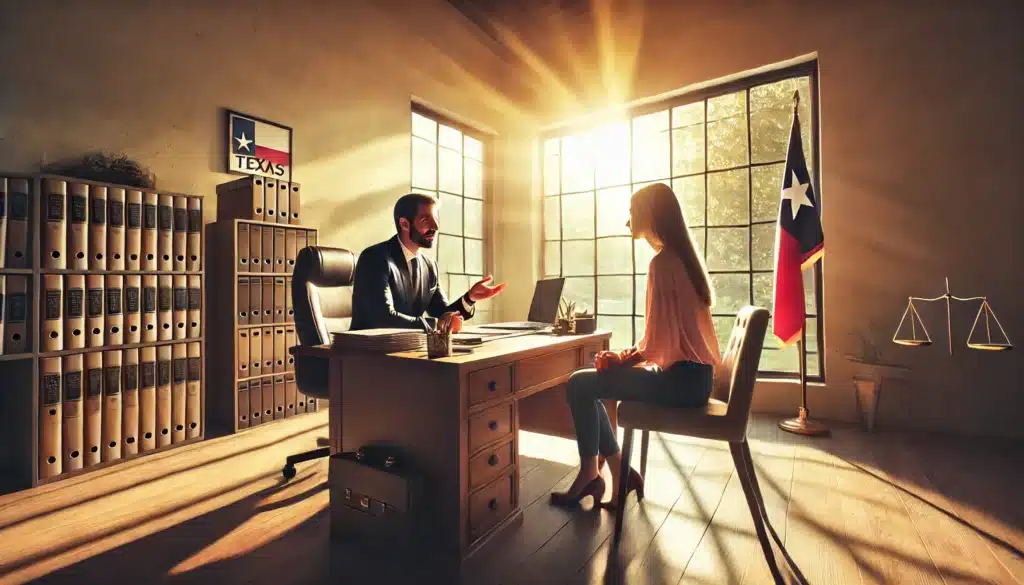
x: 805, y: 69
x: 486, y: 141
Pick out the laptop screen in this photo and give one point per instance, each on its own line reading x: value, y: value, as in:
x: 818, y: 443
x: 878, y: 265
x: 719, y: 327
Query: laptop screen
x: 546, y: 295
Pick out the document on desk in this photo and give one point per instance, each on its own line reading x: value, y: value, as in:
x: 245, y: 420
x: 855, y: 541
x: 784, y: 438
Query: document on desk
x: 381, y: 340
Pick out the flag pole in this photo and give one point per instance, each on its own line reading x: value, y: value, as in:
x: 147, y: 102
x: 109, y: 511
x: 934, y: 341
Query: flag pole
x: 802, y: 424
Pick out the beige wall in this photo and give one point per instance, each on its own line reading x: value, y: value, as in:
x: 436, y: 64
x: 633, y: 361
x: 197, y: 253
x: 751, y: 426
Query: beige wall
x: 150, y: 79
x: 921, y: 151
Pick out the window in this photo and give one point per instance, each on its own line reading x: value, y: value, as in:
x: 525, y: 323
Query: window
x: 723, y: 152
x: 448, y: 163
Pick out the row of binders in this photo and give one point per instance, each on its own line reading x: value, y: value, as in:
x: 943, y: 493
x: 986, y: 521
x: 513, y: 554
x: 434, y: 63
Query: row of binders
x: 102, y: 406
x: 271, y: 249
x: 14, y: 314
x: 265, y: 299
x: 96, y: 227
x: 265, y: 350
x: 260, y: 199
x: 14, y: 197
x: 97, y: 310
x: 263, y: 400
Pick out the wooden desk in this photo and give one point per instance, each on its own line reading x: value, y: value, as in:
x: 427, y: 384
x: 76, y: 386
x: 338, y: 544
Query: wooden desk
x: 458, y: 419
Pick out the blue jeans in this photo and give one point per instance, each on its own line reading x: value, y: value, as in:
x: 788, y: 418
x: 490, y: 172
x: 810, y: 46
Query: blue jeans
x: 682, y: 385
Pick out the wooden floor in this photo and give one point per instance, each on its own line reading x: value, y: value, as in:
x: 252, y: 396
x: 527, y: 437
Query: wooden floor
x: 854, y: 508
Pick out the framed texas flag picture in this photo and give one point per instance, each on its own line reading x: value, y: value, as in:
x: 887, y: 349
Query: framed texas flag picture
x: 259, y: 147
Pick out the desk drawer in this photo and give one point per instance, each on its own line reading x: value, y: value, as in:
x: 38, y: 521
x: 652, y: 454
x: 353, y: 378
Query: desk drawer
x: 490, y: 383
x: 589, y: 351
x: 486, y: 465
x: 490, y: 425
x: 546, y: 368
x: 489, y: 506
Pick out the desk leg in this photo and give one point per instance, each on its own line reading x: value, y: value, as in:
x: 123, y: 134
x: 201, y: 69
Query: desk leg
x: 334, y: 407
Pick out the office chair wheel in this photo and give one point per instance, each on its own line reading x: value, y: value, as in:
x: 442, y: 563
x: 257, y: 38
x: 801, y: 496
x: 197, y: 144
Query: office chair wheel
x: 288, y: 471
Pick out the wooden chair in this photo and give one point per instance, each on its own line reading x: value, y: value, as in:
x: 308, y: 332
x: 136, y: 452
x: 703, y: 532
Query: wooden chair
x: 724, y: 419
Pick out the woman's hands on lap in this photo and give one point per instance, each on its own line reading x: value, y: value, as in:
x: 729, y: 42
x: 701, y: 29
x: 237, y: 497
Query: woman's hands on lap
x: 606, y: 360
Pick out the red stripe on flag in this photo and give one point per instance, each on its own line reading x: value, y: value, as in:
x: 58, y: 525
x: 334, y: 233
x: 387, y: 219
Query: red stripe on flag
x: 788, y: 313
x: 277, y: 157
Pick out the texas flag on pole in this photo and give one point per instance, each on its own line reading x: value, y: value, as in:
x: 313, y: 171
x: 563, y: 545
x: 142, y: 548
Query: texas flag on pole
x: 799, y: 241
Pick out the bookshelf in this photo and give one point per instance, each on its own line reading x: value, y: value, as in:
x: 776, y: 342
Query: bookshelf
x: 103, y: 326
x: 253, y: 325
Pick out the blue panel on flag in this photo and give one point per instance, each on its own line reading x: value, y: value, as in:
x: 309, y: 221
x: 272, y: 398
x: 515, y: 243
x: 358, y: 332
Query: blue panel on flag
x: 243, y: 136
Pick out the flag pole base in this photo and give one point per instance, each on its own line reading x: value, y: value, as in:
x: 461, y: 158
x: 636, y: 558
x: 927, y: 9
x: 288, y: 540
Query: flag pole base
x: 802, y: 425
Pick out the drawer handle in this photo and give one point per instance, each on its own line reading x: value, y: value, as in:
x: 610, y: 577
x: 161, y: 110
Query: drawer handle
x: 493, y: 425
x: 492, y: 386
x: 492, y: 460
x: 493, y: 504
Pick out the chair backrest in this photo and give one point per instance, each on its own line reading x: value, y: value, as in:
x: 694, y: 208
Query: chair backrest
x: 322, y: 300
x: 735, y: 376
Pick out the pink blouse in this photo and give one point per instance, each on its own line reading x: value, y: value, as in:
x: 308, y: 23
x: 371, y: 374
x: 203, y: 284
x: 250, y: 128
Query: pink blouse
x: 678, y: 326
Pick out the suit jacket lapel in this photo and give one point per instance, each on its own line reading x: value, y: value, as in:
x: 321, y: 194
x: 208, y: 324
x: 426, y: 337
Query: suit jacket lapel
x: 409, y: 289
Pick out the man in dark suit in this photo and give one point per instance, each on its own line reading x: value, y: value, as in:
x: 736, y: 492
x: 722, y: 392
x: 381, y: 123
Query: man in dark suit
x: 395, y: 284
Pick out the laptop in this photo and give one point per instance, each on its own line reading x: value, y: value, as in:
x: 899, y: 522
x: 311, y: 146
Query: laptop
x: 543, y: 309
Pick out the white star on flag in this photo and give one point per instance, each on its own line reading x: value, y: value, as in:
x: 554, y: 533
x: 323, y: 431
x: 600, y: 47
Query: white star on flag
x: 243, y: 142
x: 797, y: 195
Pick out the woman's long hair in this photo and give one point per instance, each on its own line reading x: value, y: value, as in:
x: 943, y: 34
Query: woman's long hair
x: 657, y: 207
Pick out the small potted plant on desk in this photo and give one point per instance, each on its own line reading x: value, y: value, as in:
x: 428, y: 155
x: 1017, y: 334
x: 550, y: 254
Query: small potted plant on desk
x: 565, y: 322
x: 870, y: 368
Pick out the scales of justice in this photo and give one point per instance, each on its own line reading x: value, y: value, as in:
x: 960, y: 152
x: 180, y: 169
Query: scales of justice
x: 917, y: 339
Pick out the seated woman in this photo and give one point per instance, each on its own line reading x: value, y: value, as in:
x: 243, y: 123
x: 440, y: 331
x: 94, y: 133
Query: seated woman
x: 673, y: 365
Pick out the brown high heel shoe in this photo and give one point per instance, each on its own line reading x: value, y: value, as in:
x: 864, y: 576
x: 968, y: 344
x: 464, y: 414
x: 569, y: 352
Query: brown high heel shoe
x: 635, y: 482
x: 594, y: 487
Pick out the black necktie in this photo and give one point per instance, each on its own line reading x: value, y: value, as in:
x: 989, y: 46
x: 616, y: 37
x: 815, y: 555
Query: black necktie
x: 414, y: 271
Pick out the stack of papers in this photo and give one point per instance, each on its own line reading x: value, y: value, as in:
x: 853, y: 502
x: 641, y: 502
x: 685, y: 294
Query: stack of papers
x: 381, y: 340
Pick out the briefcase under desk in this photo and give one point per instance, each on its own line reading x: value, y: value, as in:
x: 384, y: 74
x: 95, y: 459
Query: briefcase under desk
x: 458, y: 418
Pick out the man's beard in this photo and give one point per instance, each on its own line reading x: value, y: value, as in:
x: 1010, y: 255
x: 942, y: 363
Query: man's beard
x: 420, y: 238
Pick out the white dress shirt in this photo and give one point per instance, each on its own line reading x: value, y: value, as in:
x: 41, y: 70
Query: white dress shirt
x: 411, y: 257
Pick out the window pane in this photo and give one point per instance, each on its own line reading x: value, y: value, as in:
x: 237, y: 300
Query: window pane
x: 776, y: 358
x: 552, y: 180
x: 474, y: 178
x: 474, y: 149
x: 577, y: 164
x: 642, y: 254
x: 474, y: 256
x: 699, y: 236
x: 474, y: 211
x: 764, y: 288
x: 424, y: 191
x: 611, y: 155
x: 723, y: 329
x: 615, y: 295
x: 688, y: 149
x: 638, y: 329
x: 450, y: 171
x: 651, y: 147
x: 771, y: 118
x: 613, y: 211
x: 727, y: 131
x: 449, y: 137
x: 767, y: 191
x: 690, y: 192
x: 762, y: 246
x: 424, y: 127
x: 621, y: 328
x: 578, y: 216
x: 732, y: 292
x: 459, y: 284
x: 727, y: 249
x: 615, y: 256
x: 552, y: 258
x: 552, y: 219
x: 450, y: 214
x: 728, y: 198
x: 578, y: 258
x: 581, y: 291
x: 449, y: 254
x: 688, y: 114
x: 551, y: 146
x: 640, y: 300
x: 424, y: 164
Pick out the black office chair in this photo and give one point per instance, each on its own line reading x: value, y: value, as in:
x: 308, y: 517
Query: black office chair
x: 322, y: 299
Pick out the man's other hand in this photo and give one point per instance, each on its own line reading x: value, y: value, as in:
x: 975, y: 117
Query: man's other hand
x: 449, y: 323
x: 482, y: 291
